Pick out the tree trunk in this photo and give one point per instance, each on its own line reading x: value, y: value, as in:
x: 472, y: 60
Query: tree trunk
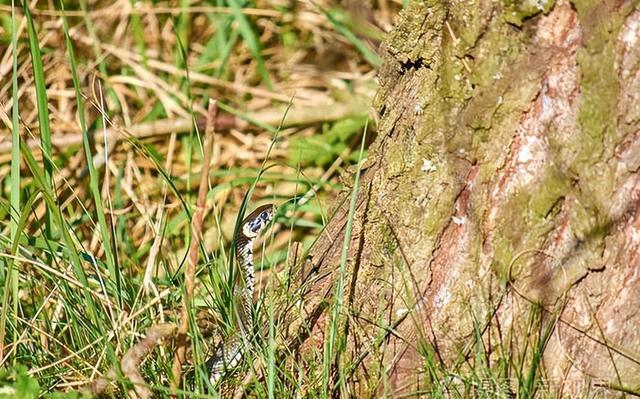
x: 497, y: 220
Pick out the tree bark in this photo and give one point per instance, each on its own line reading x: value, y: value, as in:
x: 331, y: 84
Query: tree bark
x: 499, y: 207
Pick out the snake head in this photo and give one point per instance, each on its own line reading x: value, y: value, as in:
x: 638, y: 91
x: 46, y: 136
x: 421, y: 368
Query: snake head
x: 256, y: 221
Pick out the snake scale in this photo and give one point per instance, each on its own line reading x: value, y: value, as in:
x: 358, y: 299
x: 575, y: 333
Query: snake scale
x: 229, y: 354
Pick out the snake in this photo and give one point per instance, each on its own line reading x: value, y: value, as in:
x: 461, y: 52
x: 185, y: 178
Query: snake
x: 228, y: 354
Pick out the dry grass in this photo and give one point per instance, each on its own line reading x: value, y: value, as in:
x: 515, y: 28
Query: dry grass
x: 146, y: 73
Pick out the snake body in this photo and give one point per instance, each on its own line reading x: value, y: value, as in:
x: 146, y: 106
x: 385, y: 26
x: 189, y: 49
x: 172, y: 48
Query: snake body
x: 228, y: 355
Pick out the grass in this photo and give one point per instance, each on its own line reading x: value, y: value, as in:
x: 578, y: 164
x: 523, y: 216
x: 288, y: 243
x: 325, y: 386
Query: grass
x: 43, y: 107
x: 6, y: 268
x: 95, y: 236
x: 335, y: 345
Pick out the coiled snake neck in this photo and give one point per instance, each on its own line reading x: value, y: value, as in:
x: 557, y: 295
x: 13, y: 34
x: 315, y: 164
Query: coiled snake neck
x: 229, y: 354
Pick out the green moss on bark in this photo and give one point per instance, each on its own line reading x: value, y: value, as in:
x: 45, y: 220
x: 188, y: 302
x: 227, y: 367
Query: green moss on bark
x: 520, y: 10
x: 595, y: 140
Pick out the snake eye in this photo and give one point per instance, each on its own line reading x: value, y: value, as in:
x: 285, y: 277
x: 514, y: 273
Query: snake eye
x: 255, y: 226
x: 264, y: 216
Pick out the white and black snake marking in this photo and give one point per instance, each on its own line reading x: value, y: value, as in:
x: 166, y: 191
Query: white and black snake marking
x: 228, y: 355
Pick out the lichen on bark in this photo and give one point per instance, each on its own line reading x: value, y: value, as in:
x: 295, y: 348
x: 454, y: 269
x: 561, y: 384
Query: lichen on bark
x: 503, y: 191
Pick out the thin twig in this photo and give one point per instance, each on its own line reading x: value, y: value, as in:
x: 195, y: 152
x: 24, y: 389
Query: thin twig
x: 357, y: 105
x: 196, y: 236
x: 142, y: 130
x: 131, y: 361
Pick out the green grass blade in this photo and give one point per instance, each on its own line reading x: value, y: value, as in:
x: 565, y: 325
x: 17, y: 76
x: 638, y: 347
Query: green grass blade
x: 15, y: 131
x: 250, y: 39
x: 261, y: 172
x: 247, y: 118
x: 10, y: 275
x: 42, y: 103
x: 331, y: 343
x: 369, y: 55
x: 11, y: 282
x: 43, y: 184
x: 271, y: 348
x: 221, y: 44
x: 95, y: 46
x: 94, y: 185
x: 182, y: 34
x: 138, y: 34
x: 12, y: 278
x: 529, y: 387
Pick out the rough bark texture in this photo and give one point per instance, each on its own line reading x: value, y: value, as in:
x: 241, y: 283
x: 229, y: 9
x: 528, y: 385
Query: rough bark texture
x: 503, y: 188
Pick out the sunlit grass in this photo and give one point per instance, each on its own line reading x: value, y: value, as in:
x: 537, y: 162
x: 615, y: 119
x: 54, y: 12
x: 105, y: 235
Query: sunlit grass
x: 83, y: 247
